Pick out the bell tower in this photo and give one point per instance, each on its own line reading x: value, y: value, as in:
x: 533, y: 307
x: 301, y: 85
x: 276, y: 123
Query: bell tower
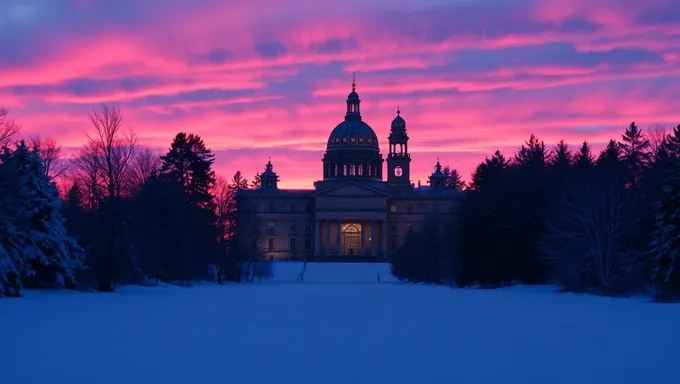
x: 269, y: 179
x: 398, y: 158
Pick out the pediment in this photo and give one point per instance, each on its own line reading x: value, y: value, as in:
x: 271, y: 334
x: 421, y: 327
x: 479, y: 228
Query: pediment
x: 351, y: 189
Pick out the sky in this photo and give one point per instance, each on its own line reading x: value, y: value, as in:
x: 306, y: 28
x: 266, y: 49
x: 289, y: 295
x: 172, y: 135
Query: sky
x: 269, y: 78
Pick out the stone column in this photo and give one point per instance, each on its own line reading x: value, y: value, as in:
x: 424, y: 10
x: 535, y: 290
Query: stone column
x: 328, y: 237
x: 374, y: 238
x: 338, y: 229
x: 317, y: 238
x: 363, y: 238
x: 384, y: 238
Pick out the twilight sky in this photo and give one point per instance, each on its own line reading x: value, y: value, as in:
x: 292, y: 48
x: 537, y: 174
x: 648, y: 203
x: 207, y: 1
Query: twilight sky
x: 260, y: 78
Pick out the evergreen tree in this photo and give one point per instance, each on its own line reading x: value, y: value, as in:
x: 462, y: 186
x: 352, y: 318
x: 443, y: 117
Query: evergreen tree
x: 453, y: 179
x: 13, y: 259
x: 584, y: 159
x: 665, y: 244
x: 47, y: 255
x: 673, y: 143
x: 562, y: 159
x: 189, y: 162
x: 488, y: 171
x: 635, y: 153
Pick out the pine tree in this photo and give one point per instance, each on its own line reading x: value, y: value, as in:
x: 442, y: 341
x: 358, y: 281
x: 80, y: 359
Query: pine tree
x: 533, y: 155
x: 13, y: 261
x: 42, y: 252
x: 54, y: 256
x: 562, y: 158
x: 665, y: 244
x: 584, y: 158
x: 489, y: 171
x: 189, y: 162
x: 635, y: 153
x: 453, y: 179
x: 673, y: 143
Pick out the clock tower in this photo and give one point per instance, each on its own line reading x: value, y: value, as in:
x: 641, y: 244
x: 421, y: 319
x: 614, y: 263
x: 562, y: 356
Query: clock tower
x: 398, y: 158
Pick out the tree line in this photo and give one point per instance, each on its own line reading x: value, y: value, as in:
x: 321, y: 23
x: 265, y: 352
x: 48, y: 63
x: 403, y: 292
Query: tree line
x: 606, y: 224
x: 126, y: 215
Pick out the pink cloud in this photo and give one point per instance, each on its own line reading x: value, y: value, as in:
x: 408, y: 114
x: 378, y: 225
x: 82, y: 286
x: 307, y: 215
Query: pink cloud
x: 468, y: 80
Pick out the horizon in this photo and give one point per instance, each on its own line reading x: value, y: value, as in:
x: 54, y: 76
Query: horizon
x: 469, y: 77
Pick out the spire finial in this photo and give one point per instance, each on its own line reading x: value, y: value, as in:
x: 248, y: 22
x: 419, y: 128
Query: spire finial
x: 354, y: 80
x: 398, y: 110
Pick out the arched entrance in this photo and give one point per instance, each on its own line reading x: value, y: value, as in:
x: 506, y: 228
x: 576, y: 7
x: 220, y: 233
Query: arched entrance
x: 350, y: 239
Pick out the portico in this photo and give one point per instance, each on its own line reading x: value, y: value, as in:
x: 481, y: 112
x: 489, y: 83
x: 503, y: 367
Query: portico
x: 350, y: 237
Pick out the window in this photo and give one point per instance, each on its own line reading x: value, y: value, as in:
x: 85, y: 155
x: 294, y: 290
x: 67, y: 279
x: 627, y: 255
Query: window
x: 352, y: 170
x: 409, y: 208
x: 335, y: 172
x: 293, y: 208
x: 292, y: 227
x: 369, y: 170
x: 271, y: 224
x: 293, y: 244
x: 344, y: 170
x: 393, y: 208
x: 308, y: 244
x: 308, y: 229
x: 361, y: 170
x: 409, y: 227
x: 270, y: 244
x: 271, y: 207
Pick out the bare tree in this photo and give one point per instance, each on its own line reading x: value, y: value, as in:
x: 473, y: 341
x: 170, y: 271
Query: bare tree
x: 115, y: 151
x: 144, y: 163
x: 85, y: 172
x: 588, y: 243
x: 50, y: 154
x: 9, y: 130
x: 657, y: 137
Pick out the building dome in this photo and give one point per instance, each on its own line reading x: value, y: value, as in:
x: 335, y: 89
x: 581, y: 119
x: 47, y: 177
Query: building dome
x: 398, y: 122
x: 352, y: 134
x: 352, y: 151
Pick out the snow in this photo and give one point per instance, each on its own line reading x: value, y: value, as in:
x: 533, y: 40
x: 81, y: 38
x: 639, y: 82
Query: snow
x: 332, y: 272
x: 335, y: 333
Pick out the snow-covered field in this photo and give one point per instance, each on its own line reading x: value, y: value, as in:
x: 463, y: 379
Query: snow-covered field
x: 335, y: 333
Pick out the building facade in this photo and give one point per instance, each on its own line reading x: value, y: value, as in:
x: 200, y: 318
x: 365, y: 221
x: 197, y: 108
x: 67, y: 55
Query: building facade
x: 355, y: 212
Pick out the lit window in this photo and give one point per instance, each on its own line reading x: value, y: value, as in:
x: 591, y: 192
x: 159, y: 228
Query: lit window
x: 352, y: 170
x: 393, y: 208
x: 361, y: 170
x: 344, y: 170
x: 369, y: 170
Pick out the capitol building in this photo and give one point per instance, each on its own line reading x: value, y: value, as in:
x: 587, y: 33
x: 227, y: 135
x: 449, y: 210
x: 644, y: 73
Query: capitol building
x: 356, y: 211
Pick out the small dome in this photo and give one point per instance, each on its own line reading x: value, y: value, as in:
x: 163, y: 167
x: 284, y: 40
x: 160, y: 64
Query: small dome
x: 398, y: 122
x: 353, y: 96
x: 352, y: 134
